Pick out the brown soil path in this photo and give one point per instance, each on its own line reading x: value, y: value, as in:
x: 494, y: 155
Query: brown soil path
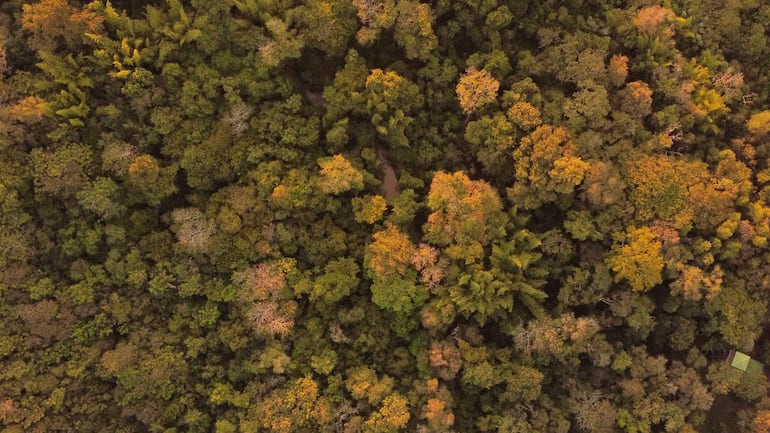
x: 389, y: 183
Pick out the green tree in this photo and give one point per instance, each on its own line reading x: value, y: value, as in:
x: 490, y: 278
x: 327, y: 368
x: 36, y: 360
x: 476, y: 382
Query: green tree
x: 390, y: 98
x: 413, y: 30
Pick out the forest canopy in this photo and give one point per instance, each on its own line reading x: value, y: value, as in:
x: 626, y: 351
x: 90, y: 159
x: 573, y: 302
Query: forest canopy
x: 384, y: 216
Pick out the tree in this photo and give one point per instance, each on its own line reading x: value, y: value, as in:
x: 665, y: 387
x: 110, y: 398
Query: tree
x: 339, y: 280
x: 390, y: 253
x: 525, y: 115
x: 618, y: 70
x: 338, y: 175
x: 194, y: 229
x: 475, y: 89
x: 438, y: 415
x: 510, y: 271
x: 399, y: 294
x: 588, y: 108
x: 269, y: 308
x: 388, y: 259
x: 146, y: 177
x: 638, y: 260
x: 445, y: 359
x: 363, y: 383
x: 297, y: 406
x: 636, y: 99
x: 49, y: 20
x: 283, y: 43
x: 732, y: 313
x: 492, y: 138
x: 369, y: 208
x: 603, y: 185
x: 660, y: 187
x: 203, y: 169
x: 759, y: 124
x: 693, y: 282
x: 375, y: 15
x: 269, y: 318
x: 546, y: 167
x: 594, y: 413
x: 62, y: 171
x: 391, y: 417
x: 425, y: 260
x: 650, y: 20
x: 762, y: 421
x: 28, y: 110
x: 390, y: 98
x: 465, y: 212
x: 413, y: 30
x: 101, y: 197
x: 327, y: 24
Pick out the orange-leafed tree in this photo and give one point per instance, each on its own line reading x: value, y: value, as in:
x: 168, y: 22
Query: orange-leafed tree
x: 29, y: 110
x: 9, y: 412
x: 144, y: 169
x: 445, y: 358
x: 618, y: 70
x: 636, y: 99
x: 693, y: 282
x: 762, y: 422
x: 53, y: 20
x: 438, y: 415
x: 476, y: 89
x: 652, y: 20
x: 391, y: 417
x: 465, y: 212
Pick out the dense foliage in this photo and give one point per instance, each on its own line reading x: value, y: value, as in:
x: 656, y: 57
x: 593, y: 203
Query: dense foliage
x: 384, y: 215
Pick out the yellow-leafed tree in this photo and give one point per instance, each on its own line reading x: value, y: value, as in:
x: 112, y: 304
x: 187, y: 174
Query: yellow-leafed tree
x: 391, y: 252
x: 638, y: 260
x: 338, y: 175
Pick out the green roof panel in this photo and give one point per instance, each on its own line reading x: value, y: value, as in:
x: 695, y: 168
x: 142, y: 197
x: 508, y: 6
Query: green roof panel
x: 741, y: 361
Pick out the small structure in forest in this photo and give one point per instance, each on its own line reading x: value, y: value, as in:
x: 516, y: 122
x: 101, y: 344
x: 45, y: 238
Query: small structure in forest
x: 743, y: 362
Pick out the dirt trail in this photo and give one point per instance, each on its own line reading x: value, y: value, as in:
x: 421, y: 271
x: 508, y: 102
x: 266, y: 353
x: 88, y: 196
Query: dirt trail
x: 389, y: 183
